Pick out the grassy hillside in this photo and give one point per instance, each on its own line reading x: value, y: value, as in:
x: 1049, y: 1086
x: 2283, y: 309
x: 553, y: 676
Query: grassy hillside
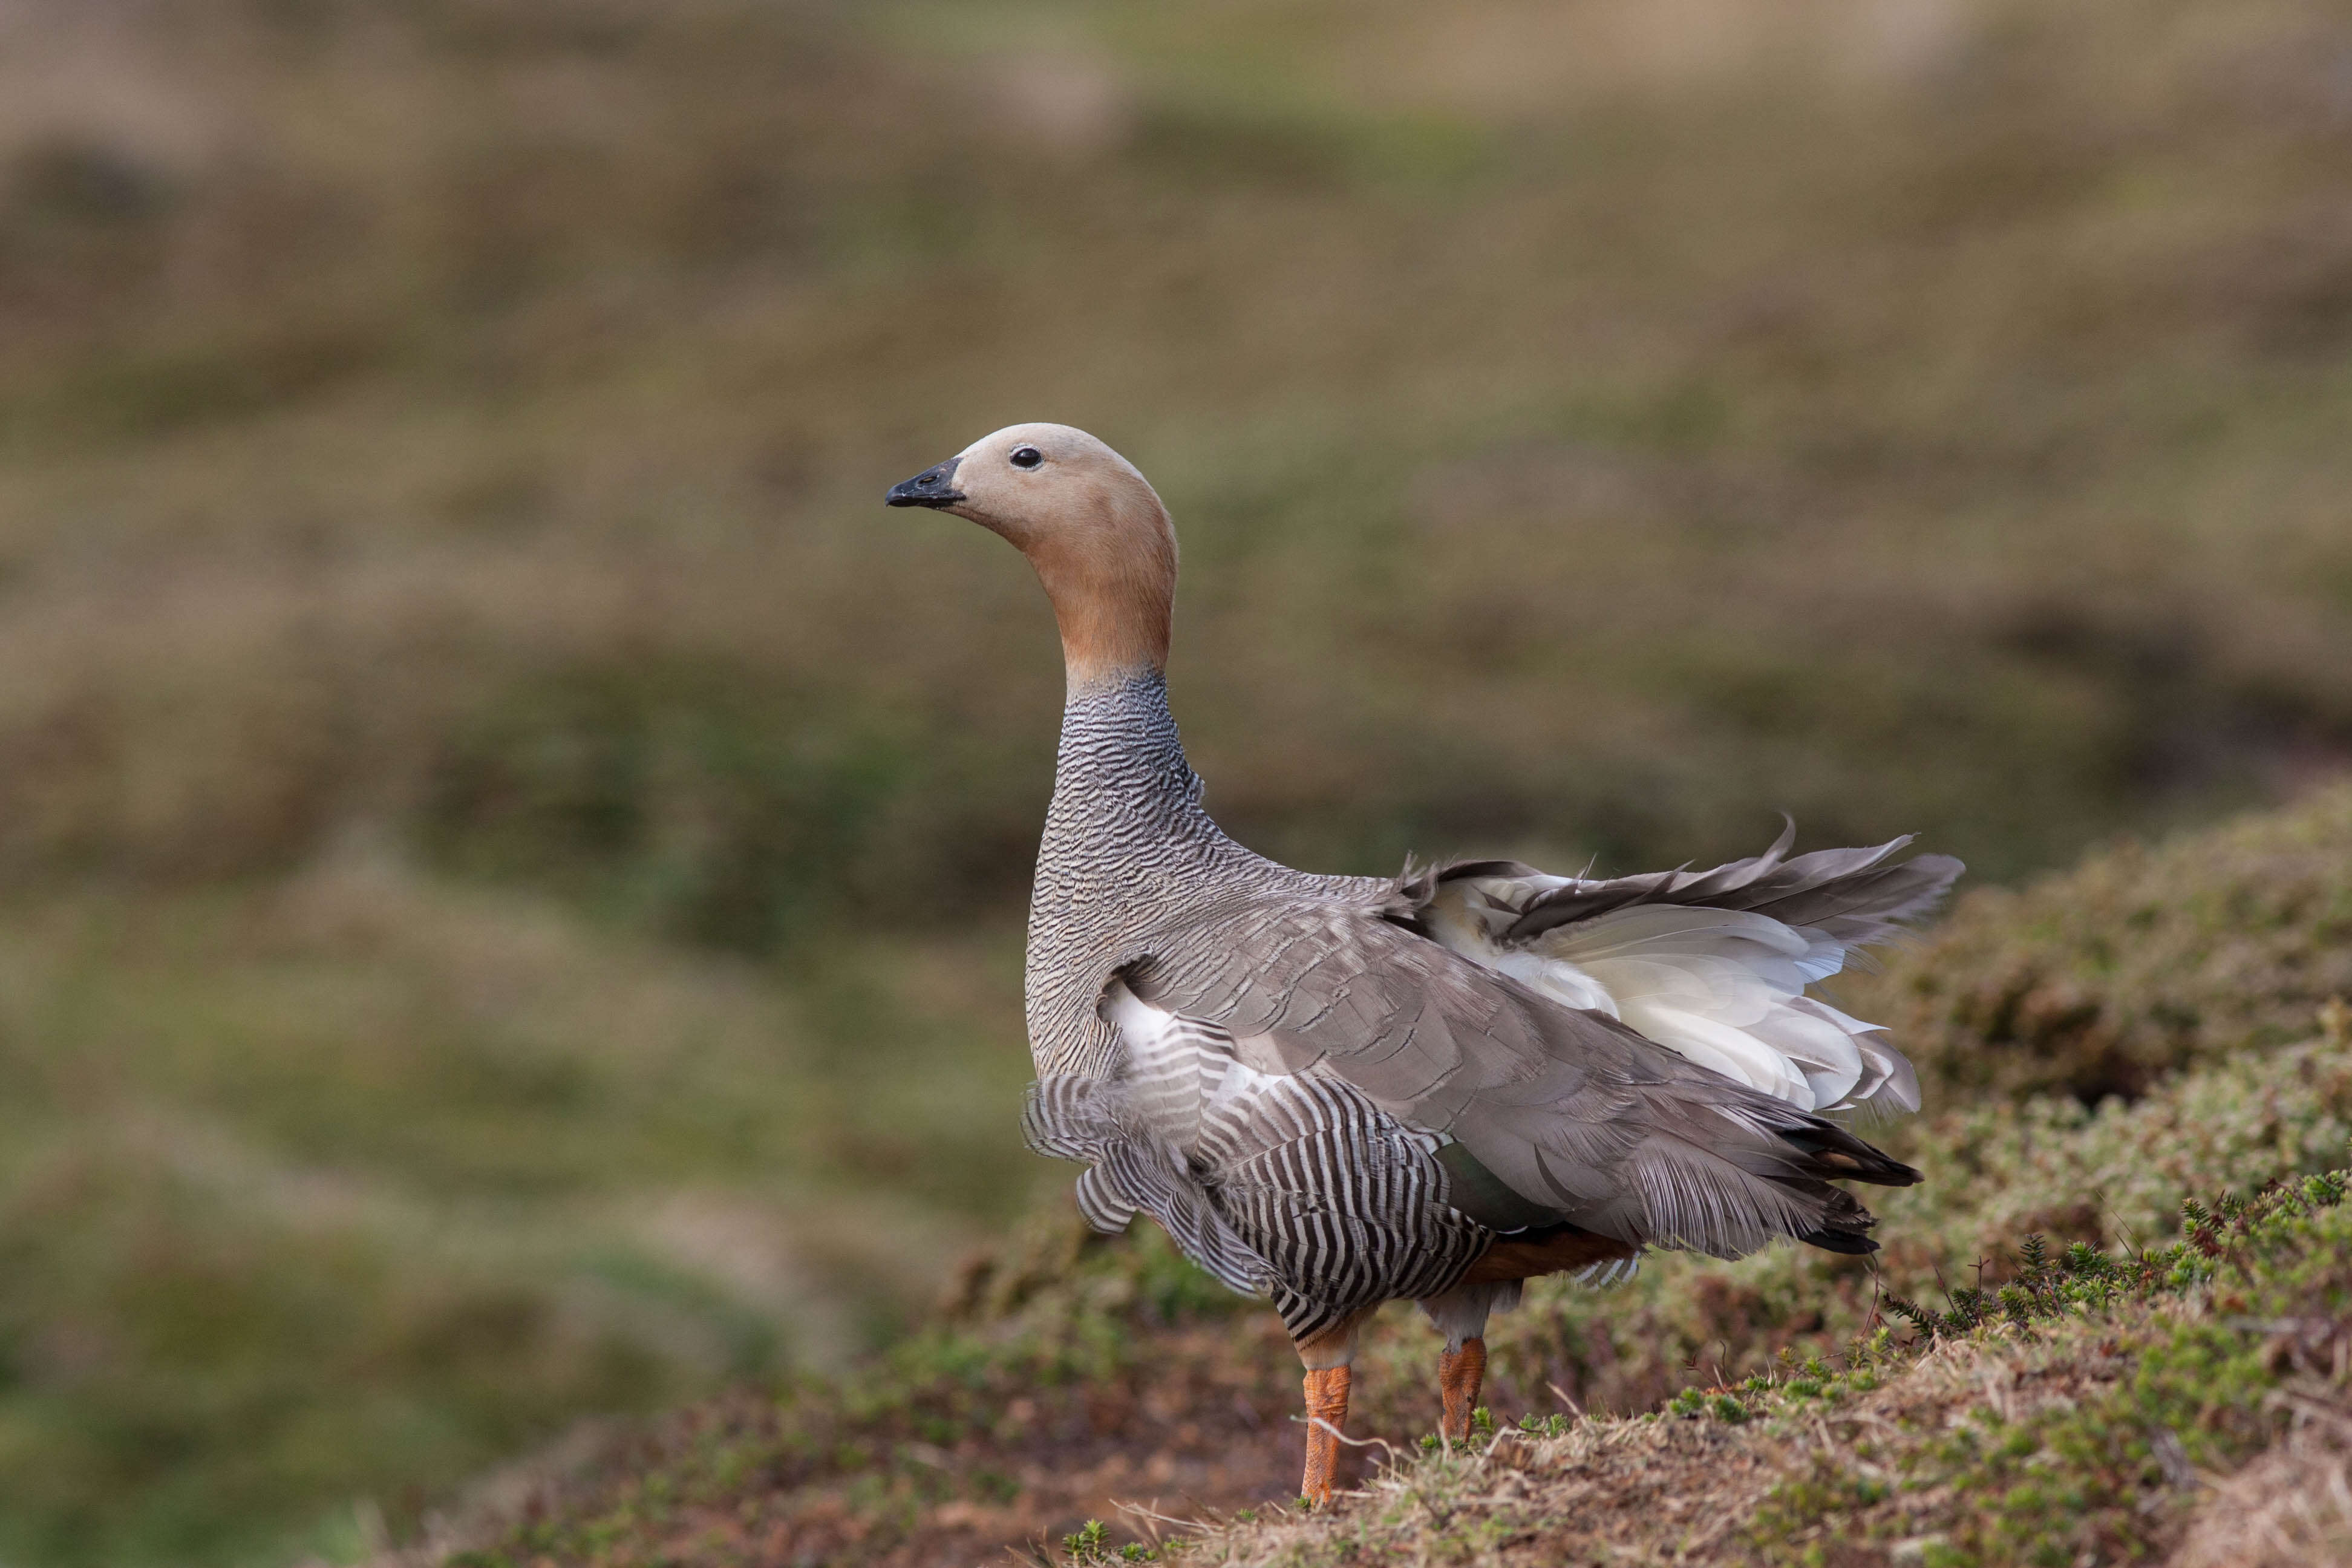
x: 322, y: 1197
x: 2093, y: 1414
x: 1960, y: 1393
x: 512, y: 858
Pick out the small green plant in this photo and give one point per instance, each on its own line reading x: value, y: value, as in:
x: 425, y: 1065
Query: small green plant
x: 1087, y: 1545
x: 1724, y: 1407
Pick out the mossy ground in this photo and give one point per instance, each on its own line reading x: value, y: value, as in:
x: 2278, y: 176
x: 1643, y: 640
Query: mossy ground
x: 2081, y: 1419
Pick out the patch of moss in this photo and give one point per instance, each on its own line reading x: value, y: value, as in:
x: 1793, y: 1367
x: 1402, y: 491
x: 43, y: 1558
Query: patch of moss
x: 2126, y: 1381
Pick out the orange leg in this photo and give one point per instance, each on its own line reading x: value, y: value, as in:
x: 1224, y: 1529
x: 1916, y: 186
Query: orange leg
x: 1459, y: 1376
x: 1327, y: 1417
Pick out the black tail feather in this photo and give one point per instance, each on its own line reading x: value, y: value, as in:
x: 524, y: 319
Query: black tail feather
x: 1854, y: 1244
x: 1840, y: 1156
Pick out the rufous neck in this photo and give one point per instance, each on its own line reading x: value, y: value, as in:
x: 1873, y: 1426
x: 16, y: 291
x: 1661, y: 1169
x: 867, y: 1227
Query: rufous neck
x: 1115, y: 611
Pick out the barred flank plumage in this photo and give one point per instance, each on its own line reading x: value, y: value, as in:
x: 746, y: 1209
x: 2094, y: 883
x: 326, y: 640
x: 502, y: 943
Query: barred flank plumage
x: 1294, y: 1186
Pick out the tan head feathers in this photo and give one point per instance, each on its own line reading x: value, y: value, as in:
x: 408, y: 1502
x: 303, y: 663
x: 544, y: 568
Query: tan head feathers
x: 1090, y: 523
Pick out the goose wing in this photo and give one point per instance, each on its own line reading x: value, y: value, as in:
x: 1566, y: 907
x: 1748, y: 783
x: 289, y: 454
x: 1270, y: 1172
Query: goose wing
x: 1715, y: 965
x: 1577, y: 1115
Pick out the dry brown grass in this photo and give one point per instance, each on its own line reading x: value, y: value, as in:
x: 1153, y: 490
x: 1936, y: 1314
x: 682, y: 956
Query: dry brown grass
x: 2289, y: 1508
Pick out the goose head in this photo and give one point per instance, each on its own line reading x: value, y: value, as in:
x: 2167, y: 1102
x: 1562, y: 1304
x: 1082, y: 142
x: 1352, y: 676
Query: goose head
x: 1090, y: 525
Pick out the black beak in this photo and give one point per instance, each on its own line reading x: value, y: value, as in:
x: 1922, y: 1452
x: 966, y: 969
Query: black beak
x: 932, y: 486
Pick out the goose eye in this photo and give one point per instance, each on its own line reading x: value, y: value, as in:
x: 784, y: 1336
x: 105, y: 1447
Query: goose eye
x: 1027, y: 457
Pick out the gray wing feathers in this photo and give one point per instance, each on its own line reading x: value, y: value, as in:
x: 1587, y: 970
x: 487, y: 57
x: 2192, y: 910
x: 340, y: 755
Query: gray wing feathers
x: 1852, y: 896
x: 1570, y: 1108
x: 1711, y: 963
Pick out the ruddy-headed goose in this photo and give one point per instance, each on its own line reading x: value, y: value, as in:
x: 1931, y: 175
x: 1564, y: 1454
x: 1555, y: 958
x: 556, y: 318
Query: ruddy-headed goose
x: 1342, y: 1090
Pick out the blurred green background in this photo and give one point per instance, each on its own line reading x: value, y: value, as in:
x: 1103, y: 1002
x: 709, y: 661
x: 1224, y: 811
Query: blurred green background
x: 514, y: 861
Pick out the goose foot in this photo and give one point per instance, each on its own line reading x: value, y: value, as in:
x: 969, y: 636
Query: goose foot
x: 1460, y: 1374
x: 1327, y: 1418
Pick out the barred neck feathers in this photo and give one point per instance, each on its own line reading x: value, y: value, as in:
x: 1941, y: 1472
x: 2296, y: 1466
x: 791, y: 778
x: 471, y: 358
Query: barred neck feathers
x: 1125, y: 830
x: 1120, y: 755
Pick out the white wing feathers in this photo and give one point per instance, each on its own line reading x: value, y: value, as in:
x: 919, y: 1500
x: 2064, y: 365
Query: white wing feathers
x: 1723, y: 988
